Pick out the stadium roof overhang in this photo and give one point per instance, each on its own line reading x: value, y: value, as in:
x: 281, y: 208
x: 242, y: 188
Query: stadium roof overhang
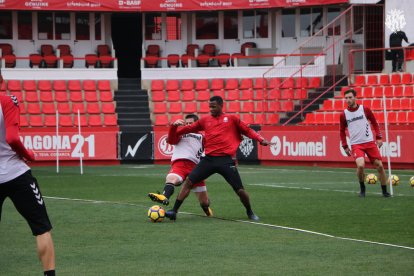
x: 156, y: 5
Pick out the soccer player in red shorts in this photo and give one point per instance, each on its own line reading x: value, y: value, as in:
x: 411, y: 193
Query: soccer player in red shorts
x: 17, y: 182
x: 186, y: 155
x: 357, y: 119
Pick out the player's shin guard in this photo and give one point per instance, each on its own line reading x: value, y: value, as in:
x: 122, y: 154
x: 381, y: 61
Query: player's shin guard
x: 168, y: 190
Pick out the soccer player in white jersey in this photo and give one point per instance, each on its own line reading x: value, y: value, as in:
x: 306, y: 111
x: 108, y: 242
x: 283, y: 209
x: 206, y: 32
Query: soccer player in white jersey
x: 186, y: 155
x: 357, y: 119
x: 17, y: 182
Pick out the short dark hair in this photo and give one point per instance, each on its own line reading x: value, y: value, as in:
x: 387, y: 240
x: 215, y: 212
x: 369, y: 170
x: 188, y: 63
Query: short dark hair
x: 192, y: 116
x: 350, y: 91
x: 217, y: 99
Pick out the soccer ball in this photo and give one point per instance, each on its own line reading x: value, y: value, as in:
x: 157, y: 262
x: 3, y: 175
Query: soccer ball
x: 395, y: 180
x: 156, y: 213
x: 412, y: 181
x: 371, y: 179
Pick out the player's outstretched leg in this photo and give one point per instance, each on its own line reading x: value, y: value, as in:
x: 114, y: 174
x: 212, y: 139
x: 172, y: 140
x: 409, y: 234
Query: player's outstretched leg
x: 244, y: 198
x: 46, y: 253
x: 171, y: 181
x: 383, y: 178
x: 184, y: 192
x: 360, y: 163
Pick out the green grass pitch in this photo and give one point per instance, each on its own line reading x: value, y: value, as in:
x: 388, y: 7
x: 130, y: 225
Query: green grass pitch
x: 108, y: 232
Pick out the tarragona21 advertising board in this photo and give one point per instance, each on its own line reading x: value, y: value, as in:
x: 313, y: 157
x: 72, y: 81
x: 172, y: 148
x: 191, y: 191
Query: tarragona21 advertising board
x: 90, y: 145
x: 325, y: 145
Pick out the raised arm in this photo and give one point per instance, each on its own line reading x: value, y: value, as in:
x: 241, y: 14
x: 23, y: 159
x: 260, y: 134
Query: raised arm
x: 11, y: 116
x: 247, y: 131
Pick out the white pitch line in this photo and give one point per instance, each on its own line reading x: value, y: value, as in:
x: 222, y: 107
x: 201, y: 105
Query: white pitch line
x: 270, y: 185
x: 242, y: 221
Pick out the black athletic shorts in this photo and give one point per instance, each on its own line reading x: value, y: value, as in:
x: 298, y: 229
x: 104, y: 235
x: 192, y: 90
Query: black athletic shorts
x: 25, y: 194
x: 223, y: 165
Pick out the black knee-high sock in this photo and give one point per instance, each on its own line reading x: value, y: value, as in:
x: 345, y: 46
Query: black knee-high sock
x: 384, y: 189
x: 205, y: 207
x: 168, y: 190
x: 49, y: 273
x: 177, y: 205
x: 362, y: 186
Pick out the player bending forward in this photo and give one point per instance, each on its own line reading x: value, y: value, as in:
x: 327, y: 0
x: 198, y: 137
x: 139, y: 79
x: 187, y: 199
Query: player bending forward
x: 17, y: 182
x: 186, y: 155
x: 356, y: 118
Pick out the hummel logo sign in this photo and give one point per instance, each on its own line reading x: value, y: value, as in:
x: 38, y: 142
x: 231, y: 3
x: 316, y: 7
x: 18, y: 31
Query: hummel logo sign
x: 132, y: 151
x: 37, y: 194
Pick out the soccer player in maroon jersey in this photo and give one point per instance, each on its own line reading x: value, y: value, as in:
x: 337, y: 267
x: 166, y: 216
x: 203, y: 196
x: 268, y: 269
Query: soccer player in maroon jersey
x: 17, y: 182
x: 223, y: 134
x: 357, y: 119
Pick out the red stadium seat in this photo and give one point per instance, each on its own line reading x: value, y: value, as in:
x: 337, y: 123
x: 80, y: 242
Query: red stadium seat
x: 309, y: 119
x: 248, y: 107
x: 260, y: 119
x: 368, y: 92
x: 172, y: 85
x: 410, y: 117
x: 76, y: 96
x: 406, y: 78
x: 104, y: 85
x: 203, y: 95
x: 384, y: 79
x: 187, y: 85
x: 35, y: 60
x: 274, y: 106
x: 58, y: 85
x: 327, y: 105
x: 23, y: 121
x: 68, y: 61
x: 395, y: 104
x: 161, y: 120
x: 93, y: 108
x: 63, y: 108
x: 33, y: 108
x: 95, y: 120
x: 153, y: 50
x: 14, y: 85
x: 261, y: 107
x: 217, y: 84
x: 89, y: 85
x: 219, y: 93
x: 302, y: 83
x: 275, y: 83
x: 31, y: 96
x: 223, y: 59
x: 392, y: 117
x: 50, y: 61
x: 245, y: 46
x: 158, y: 96
x: 247, y: 118
x: 273, y: 94
x: 110, y: 120
x: 81, y: 119
x: 190, y: 107
x: 396, y: 79
x: 61, y: 96
x: 201, y: 85
x: 50, y: 120
x: 175, y: 108
x: 359, y: 80
x: 246, y: 95
x: 46, y: 96
x: 74, y: 85
x: 288, y: 83
x: 91, y: 96
x: 398, y: 91
x: 232, y: 84
x: 287, y: 94
x: 173, y: 96
x: 173, y: 60
x: 65, y: 120
x: 260, y: 83
x: 203, y: 107
x: 258, y: 95
x: 203, y: 60
x: 29, y: 85
x: 78, y: 106
x: 105, y: 61
x: 389, y: 91
x: 64, y: 49
x: 209, y: 49
x: 233, y: 95
x: 273, y: 119
x: 378, y: 92
x: 91, y: 60
x: 372, y: 80
x: 176, y: 117
x: 48, y: 108
x: 160, y: 108
x: 22, y: 108
x: 329, y: 118
x: 157, y: 85
x: 376, y: 104
x: 409, y: 91
x: 246, y: 84
x: 188, y: 96
x: 106, y: 96
x: 233, y: 107
x: 405, y: 104
x: 36, y: 120
x: 286, y: 106
x: 300, y: 94
x: 401, y: 117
